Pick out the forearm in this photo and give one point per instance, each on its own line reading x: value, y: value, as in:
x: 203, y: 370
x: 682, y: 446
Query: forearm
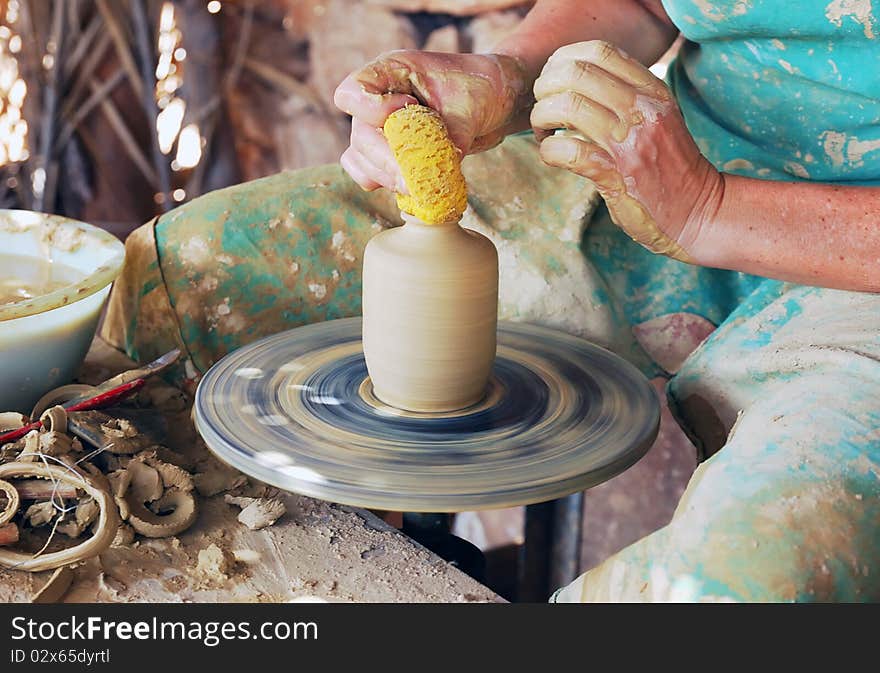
x: 809, y: 233
x: 640, y: 28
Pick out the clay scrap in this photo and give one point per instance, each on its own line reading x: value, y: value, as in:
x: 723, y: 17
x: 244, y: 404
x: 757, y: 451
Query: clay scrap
x: 107, y: 492
x: 257, y: 513
x: 75, y: 489
x: 55, y: 588
x: 84, y: 484
x: 97, y: 478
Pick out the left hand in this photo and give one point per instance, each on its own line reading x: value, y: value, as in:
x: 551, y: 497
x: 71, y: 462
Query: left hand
x: 633, y: 144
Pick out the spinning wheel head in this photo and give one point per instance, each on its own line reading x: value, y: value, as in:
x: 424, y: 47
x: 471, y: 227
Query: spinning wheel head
x: 297, y: 410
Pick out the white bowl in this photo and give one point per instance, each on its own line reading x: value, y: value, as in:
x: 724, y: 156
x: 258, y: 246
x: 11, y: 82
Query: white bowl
x: 44, y: 339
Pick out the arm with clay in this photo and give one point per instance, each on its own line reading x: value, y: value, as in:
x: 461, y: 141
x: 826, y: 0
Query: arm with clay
x: 807, y: 233
x: 484, y: 97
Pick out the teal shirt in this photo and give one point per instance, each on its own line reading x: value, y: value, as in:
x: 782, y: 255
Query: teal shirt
x: 782, y: 89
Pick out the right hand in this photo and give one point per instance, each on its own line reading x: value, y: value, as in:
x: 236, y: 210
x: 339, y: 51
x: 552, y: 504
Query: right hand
x: 478, y: 96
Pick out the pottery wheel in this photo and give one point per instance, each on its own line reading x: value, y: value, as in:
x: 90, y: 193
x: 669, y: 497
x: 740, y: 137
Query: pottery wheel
x: 296, y: 410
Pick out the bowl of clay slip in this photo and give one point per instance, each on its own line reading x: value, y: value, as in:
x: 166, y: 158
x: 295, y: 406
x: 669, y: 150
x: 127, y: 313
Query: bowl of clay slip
x: 55, y: 274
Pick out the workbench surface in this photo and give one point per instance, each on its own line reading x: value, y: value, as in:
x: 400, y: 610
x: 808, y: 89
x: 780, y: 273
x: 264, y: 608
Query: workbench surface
x: 317, y: 550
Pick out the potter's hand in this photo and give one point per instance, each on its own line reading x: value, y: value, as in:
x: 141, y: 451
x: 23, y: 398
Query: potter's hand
x: 477, y: 95
x: 631, y: 141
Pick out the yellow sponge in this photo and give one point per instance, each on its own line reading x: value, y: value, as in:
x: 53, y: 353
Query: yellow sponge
x: 430, y: 164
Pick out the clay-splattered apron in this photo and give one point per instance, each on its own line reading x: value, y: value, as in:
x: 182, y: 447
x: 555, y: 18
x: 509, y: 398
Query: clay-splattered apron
x: 788, y: 510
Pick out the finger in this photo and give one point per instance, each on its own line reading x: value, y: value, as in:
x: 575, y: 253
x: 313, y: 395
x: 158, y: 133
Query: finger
x: 372, y: 146
x: 571, y: 110
x: 352, y: 163
x: 582, y: 157
x: 590, y: 81
x: 614, y: 60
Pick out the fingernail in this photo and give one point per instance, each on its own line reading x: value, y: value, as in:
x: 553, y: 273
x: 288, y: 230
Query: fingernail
x: 561, y: 152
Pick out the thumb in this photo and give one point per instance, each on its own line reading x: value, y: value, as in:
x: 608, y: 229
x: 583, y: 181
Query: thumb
x: 376, y: 90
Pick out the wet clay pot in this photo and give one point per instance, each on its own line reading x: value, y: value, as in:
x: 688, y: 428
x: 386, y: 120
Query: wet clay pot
x: 430, y: 307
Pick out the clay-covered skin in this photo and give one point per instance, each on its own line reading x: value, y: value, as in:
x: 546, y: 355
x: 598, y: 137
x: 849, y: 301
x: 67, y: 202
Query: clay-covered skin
x: 430, y: 305
x: 627, y: 135
x: 478, y: 96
